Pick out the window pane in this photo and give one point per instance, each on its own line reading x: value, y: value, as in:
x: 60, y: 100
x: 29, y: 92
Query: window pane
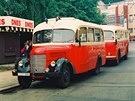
x: 90, y: 35
x: 108, y: 35
x: 83, y: 34
x: 97, y: 35
x: 63, y: 36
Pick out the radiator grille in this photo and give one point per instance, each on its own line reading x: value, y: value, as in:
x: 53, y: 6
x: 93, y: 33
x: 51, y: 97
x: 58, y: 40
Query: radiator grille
x: 38, y: 63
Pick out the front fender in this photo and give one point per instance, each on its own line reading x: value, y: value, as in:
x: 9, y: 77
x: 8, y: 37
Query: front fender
x: 25, y: 66
x: 60, y: 63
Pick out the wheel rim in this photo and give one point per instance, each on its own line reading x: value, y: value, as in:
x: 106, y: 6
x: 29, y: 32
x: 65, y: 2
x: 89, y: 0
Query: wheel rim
x: 66, y: 76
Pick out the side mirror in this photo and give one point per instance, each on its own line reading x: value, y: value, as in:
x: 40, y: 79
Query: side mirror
x: 116, y: 41
x: 79, y: 40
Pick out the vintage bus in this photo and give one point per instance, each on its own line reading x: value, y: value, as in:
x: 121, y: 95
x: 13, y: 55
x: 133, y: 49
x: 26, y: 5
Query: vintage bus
x: 63, y: 48
x: 117, y: 42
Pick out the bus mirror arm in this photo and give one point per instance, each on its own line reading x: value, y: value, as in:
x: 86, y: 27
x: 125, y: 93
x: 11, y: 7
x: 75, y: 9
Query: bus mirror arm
x: 116, y: 41
x: 79, y: 41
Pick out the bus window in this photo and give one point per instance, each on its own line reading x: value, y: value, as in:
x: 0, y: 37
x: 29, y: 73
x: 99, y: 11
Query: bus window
x: 90, y: 35
x: 97, y: 35
x: 83, y: 34
x: 118, y: 36
x: 102, y: 35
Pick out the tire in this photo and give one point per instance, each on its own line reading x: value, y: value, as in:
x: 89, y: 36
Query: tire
x: 117, y: 62
x: 24, y: 82
x: 64, y: 79
x: 126, y: 57
x: 97, y: 69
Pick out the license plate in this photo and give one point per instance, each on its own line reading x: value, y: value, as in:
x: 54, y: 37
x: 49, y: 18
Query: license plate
x: 23, y: 74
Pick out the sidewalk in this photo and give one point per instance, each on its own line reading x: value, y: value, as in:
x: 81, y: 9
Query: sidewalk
x: 6, y: 78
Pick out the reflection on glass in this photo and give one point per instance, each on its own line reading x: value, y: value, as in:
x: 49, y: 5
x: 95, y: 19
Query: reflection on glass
x: 109, y: 35
x: 56, y: 36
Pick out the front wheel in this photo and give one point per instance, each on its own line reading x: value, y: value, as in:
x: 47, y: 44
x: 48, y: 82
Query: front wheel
x: 24, y: 82
x: 64, y: 79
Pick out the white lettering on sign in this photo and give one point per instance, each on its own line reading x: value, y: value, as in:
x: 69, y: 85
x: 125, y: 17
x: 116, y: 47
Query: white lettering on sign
x: 2, y: 21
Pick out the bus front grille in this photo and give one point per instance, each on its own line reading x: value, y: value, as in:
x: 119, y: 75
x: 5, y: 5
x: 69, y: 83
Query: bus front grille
x: 38, y: 63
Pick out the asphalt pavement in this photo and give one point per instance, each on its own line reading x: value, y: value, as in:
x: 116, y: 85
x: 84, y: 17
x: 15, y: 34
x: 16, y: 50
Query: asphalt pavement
x: 6, y: 79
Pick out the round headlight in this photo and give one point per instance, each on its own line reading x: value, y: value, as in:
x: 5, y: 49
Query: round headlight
x: 20, y: 63
x: 53, y: 63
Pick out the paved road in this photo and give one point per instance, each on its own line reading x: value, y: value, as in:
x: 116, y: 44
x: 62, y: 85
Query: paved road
x: 114, y: 83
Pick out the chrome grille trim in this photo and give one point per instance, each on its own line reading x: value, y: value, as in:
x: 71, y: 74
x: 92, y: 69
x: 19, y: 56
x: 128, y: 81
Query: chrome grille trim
x: 38, y: 63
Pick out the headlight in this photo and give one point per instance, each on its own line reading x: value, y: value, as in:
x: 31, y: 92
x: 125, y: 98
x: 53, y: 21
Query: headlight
x: 109, y: 53
x: 20, y: 63
x: 53, y: 63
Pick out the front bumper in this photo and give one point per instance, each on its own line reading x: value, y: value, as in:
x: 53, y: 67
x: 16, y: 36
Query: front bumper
x: 111, y: 57
x: 47, y: 74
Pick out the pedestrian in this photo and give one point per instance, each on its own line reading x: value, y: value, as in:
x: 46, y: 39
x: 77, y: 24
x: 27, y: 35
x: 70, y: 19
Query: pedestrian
x: 29, y: 48
x: 25, y: 49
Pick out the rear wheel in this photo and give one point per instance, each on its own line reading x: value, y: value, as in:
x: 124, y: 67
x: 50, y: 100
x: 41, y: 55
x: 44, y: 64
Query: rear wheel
x: 24, y: 82
x: 126, y: 56
x: 117, y: 62
x: 97, y: 69
x: 64, y: 79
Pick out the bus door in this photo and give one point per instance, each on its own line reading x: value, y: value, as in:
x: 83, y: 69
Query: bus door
x: 84, y: 50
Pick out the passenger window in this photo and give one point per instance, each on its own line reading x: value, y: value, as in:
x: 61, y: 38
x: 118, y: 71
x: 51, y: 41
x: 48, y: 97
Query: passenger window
x: 117, y: 34
x: 102, y: 35
x: 97, y: 35
x: 83, y: 34
x: 90, y: 35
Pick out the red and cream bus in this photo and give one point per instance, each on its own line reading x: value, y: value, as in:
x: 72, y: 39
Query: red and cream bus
x: 63, y: 48
x: 117, y: 42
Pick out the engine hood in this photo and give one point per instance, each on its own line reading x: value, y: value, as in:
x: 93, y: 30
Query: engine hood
x: 50, y: 49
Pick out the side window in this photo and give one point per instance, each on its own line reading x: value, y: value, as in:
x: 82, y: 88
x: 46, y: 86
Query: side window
x: 97, y: 35
x: 117, y: 34
x: 102, y: 35
x: 83, y: 34
x: 90, y: 35
x: 126, y: 35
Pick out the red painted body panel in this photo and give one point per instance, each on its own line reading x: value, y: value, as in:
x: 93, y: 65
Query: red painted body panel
x: 83, y: 57
x: 112, y: 49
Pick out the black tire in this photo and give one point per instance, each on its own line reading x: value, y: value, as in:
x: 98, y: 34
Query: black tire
x: 117, y: 62
x: 64, y: 79
x: 126, y: 57
x: 24, y: 82
x: 97, y: 69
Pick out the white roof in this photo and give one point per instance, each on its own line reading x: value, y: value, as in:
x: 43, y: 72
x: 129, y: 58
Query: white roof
x: 64, y: 23
x: 112, y: 27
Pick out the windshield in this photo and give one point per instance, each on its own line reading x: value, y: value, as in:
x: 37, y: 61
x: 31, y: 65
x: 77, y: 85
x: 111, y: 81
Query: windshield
x: 56, y: 36
x: 109, y: 35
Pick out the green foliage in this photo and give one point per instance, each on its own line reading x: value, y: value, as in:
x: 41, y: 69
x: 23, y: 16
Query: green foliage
x: 110, y: 1
x: 37, y: 10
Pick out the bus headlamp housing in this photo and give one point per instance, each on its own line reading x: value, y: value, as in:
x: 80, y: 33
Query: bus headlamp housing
x: 20, y: 63
x: 53, y: 63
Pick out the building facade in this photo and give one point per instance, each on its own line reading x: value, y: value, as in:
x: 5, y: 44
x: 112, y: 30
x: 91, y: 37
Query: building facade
x: 120, y: 13
x: 13, y: 34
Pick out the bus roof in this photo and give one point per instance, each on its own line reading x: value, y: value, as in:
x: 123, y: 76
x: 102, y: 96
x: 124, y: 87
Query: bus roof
x: 64, y: 23
x: 113, y: 27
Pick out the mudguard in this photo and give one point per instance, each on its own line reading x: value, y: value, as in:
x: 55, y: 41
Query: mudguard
x: 25, y: 68
x: 60, y: 64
